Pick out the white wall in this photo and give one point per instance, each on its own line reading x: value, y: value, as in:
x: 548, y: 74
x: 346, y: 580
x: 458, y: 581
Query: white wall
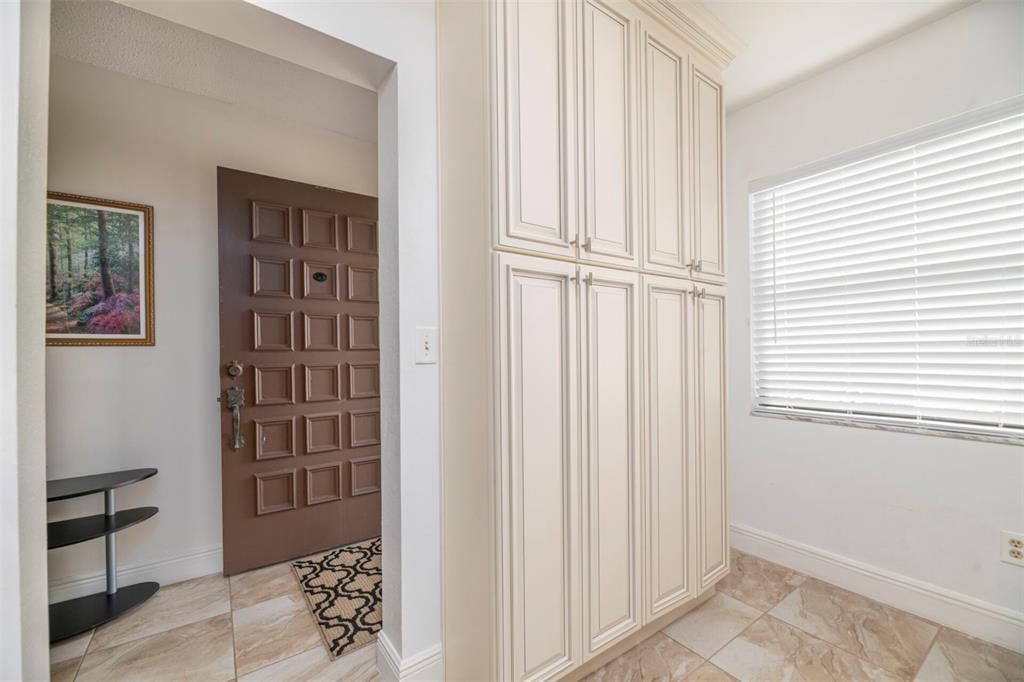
x: 118, y: 137
x: 921, y: 509
x: 404, y: 32
x: 24, y: 60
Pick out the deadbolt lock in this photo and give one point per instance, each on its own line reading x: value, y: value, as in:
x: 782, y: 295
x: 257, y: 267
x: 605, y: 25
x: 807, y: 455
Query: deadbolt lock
x: 235, y: 369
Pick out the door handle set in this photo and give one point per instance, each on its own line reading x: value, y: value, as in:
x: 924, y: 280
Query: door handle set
x: 234, y: 400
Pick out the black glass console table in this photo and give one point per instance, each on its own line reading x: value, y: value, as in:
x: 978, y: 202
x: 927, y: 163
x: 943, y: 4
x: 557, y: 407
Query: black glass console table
x: 74, y: 616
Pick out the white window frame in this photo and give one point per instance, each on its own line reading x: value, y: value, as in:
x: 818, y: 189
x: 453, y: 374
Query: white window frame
x: 1002, y: 109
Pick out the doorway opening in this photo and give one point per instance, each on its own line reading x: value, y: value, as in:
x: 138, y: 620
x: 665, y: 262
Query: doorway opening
x: 251, y: 518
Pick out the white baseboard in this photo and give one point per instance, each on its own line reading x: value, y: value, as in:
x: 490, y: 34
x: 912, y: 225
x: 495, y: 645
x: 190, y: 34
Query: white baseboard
x: 424, y: 666
x: 165, y: 572
x: 975, y: 617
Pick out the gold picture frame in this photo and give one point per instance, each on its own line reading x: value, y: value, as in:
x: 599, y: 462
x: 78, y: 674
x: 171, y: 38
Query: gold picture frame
x: 107, y: 300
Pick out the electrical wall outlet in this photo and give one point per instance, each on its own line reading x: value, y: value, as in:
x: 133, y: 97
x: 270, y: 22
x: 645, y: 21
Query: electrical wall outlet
x: 1012, y: 548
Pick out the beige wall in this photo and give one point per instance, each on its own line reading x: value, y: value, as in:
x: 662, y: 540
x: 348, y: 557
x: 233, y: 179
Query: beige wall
x: 117, y: 137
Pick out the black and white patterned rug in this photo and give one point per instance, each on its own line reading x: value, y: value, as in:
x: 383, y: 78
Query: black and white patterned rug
x: 343, y: 590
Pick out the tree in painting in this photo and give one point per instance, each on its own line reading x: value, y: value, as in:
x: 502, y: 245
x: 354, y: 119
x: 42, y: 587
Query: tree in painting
x: 92, y: 271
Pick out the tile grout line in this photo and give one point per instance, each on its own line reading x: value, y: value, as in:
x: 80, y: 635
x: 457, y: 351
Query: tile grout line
x: 869, y: 599
x: 751, y: 623
x: 731, y: 639
x: 839, y: 646
x: 300, y: 594
x: 288, y: 658
x: 834, y: 646
x: 300, y: 653
x: 139, y: 608
x: 231, y: 618
x: 927, y: 653
x: 811, y: 635
x: 78, y: 668
x: 81, y: 661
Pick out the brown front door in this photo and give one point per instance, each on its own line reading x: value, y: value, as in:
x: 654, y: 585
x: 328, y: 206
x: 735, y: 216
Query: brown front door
x: 299, y: 364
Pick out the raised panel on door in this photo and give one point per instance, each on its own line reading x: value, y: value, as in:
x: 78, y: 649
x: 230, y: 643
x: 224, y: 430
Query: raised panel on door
x: 539, y: 469
x: 663, y: 84
x: 535, y: 144
x: 707, y: 153
x: 610, y: 456
x: 670, y: 504
x: 609, y: 139
x: 709, y: 366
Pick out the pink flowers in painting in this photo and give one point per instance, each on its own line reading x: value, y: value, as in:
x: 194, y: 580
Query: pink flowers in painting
x: 118, y: 314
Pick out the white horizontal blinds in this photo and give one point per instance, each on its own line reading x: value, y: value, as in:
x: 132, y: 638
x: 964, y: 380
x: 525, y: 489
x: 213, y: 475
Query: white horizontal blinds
x: 894, y: 286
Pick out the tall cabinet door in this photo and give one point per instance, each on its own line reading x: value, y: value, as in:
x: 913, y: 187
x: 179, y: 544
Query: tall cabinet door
x: 610, y: 319
x: 669, y: 467
x: 709, y: 375
x: 535, y: 150
x: 707, y: 151
x: 609, y: 54
x: 664, y: 82
x: 539, y: 466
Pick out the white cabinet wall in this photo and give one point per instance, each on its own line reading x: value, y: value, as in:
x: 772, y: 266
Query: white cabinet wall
x: 609, y: 314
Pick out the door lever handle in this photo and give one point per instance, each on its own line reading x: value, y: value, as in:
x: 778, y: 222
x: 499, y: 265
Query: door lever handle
x: 234, y: 399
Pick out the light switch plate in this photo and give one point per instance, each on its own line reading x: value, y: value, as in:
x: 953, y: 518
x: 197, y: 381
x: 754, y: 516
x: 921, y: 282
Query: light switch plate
x: 426, y: 345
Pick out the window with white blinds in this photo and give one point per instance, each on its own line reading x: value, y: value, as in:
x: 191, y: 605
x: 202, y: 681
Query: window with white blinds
x: 888, y: 287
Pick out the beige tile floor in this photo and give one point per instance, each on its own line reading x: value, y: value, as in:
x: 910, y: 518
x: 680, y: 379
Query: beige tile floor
x: 768, y: 623
x: 253, y: 626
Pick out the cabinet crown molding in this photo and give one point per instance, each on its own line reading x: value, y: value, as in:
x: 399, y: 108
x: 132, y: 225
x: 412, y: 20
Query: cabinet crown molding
x: 700, y: 27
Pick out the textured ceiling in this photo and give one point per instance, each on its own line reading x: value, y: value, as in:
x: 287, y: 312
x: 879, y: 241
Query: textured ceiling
x: 127, y: 41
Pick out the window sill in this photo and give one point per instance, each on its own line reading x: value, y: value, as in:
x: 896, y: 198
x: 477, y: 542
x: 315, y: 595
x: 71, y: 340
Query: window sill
x: 890, y: 424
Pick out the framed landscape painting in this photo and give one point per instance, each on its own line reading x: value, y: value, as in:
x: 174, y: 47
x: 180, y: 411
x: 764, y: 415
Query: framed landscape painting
x: 99, y: 272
